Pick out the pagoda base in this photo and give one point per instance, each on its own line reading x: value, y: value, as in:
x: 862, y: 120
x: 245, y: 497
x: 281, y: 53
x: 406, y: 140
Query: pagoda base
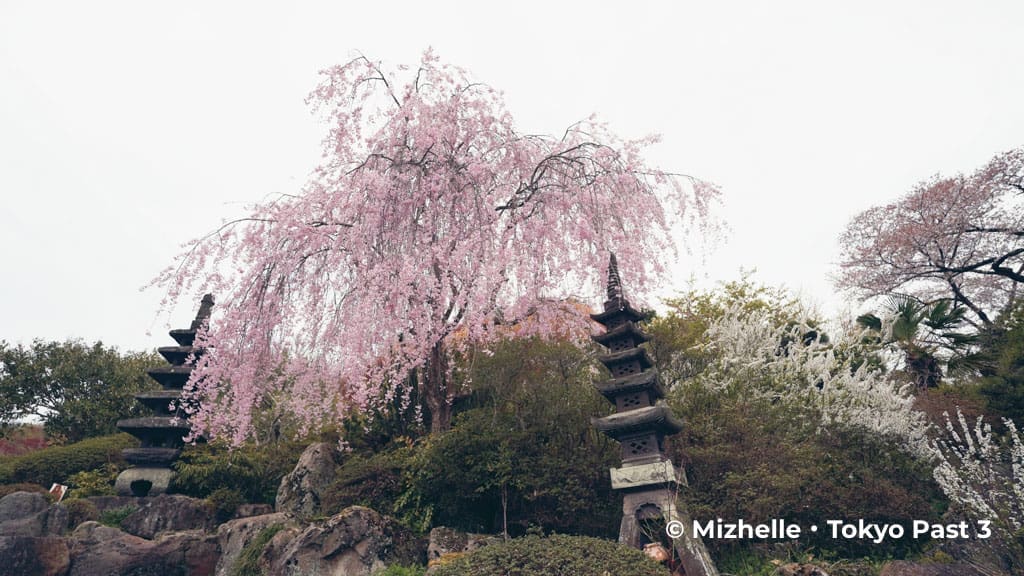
x: 660, y: 502
x: 143, y: 481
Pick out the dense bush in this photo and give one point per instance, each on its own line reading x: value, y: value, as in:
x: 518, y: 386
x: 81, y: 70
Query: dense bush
x: 553, y: 556
x: 99, y: 482
x: 758, y: 461
x: 80, y: 511
x: 77, y: 390
x: 524, y: 453
x: 254, y: 471
x: 225, y: 502
x: 374, y: 481
x: 1003, y: 381
x: 114, y: 516
x: 58, y: 463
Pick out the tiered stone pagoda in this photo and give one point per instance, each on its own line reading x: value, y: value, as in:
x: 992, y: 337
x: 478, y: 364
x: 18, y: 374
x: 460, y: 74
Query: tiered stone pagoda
x: 647, y: 477
x: 162, y: 434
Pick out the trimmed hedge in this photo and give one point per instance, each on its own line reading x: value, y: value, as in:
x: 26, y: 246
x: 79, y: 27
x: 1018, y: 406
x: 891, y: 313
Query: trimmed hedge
x: 57, y: 463
x: 556, y: 555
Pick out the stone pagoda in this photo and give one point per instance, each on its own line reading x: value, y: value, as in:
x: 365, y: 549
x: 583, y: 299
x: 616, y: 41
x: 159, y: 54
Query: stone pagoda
x: 162, y: 434
x: 647, y: 478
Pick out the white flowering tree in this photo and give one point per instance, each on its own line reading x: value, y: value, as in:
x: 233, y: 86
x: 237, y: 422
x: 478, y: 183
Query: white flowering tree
x: 983, y: 476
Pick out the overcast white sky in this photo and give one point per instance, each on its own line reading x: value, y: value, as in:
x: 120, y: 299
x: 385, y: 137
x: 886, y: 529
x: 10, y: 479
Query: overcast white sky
x: 129, y: 128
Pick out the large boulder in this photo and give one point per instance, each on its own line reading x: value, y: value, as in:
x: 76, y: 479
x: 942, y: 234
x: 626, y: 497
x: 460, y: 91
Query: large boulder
x: 355, y: 542
x: 30, y: 514
x: 45, y: 556
x: 300, y: 491
x: 235, y: 535
x: 98, y: 550
x: 169, y: 513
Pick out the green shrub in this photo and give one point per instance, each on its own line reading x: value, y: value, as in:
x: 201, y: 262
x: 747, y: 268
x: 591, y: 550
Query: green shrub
x: 114, y: 516
x: 373, y: 481
x: 99, y: 482
x: 248, y: 560
x: 253, y: 471
x: 57, y: 463
x: 6, y: 489
x: 553, y: 556
x: 80, y: 511
x: 759, y: 460
x: 523, y: 452
x: 396, y: 570
x: 225, y: 502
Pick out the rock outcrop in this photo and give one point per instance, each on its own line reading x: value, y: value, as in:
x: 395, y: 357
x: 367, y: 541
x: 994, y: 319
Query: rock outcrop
x: 40, y: 556
x: 169, y: 513
x: 98, y: 549
x: 355, y: 542
x: 300, y: 491
x: 233, y: 536
x: 30, y: 514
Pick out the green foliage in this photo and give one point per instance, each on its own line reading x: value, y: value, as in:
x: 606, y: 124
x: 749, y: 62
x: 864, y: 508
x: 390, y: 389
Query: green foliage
x: 929, y: 337
x: 1003, y: 384
x: 225, y: 502
x: 525, y: 453
x: 248, y: 563
x: 759, y: 459
x: 396, y: 570
x: 374, y: 481
x: 255, y: 471
x: 58, y: 463
x: 677, y: 334
x: 80, y: 511
x: 77, y: 390
x: 114, y: 516
x: 98, y: 482
x: 553, y: 556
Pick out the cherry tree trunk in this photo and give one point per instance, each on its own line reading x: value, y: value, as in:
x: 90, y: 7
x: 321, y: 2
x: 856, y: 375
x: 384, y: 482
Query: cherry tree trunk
x: 434, y: 389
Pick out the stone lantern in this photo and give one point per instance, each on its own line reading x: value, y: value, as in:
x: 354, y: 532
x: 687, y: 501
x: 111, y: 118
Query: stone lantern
x: 647, y: 478
x: 162, y: 434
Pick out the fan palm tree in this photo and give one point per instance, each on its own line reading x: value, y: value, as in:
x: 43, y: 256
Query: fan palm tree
x: 929, y: 336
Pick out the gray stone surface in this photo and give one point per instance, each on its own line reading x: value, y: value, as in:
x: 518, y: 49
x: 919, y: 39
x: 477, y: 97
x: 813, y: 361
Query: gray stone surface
x: 159, y: 479
x: 300, y: 491
x: 98, y: 550
x: 644, y: 475
x: 30, y: 514
x: 356, y: 542
x: 36, y: 556
x: 169, y: 513
x: 21, y: 505
x: 235, y: 535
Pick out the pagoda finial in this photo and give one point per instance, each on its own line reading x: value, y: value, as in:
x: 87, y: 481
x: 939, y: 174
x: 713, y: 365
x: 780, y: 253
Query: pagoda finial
x: 615, y: 297
x: 205, y: 308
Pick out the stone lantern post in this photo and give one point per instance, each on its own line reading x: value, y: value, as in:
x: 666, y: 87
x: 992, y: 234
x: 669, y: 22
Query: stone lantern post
x: 161, y: 435
x: 647, y: 478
